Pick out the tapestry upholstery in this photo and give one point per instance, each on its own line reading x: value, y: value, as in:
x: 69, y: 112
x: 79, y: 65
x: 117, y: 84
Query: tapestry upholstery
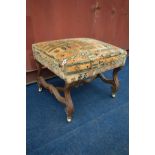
x: 78, y: 58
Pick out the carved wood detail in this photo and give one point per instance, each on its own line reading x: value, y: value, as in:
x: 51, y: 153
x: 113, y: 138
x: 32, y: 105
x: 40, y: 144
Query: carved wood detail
x: 114, y: 82
x: 66, y: 99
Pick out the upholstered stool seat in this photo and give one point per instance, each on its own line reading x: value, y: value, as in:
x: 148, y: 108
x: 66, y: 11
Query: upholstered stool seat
x: 75, y: 60
x: 79, y: 58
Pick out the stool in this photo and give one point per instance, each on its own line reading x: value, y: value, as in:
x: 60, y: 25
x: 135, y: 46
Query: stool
x: 77, y: 61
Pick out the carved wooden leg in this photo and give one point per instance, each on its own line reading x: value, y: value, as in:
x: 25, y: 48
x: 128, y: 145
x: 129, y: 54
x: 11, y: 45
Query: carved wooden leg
x: 114, y: 82
x: 115, y: 85
x: 39, y: 67
x: 69, y: 103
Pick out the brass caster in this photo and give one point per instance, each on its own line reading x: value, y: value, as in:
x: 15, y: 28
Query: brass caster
x: 40, y: 89
x: 113, y: 95
x: 69, y: 119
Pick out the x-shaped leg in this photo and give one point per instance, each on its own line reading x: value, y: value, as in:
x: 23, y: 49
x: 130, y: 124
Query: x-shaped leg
x: 66, y: 99
x: 114, y: 82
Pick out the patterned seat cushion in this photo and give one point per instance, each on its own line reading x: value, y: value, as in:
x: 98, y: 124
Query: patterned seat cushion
x: 78, y: 58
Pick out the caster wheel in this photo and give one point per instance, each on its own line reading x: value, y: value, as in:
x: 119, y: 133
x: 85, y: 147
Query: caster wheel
x: 69, y: 119
x: 40, y: 89
x: 113, y: 95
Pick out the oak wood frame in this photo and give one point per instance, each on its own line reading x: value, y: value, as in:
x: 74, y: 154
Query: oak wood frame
x: 66, y: 98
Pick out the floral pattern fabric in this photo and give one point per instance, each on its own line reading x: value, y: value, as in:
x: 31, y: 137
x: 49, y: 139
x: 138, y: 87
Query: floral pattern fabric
x: 78, y: 58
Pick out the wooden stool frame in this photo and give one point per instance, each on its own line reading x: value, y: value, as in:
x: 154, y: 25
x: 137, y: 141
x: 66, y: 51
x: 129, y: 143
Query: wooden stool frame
x: 66, y: 98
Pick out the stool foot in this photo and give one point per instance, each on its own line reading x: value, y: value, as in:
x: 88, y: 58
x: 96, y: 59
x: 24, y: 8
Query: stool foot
x: 40, y: 89
x: 39, y: 67
x: 113, y: 95
x: 69, y: 104
x: 115, y: 84
x: 69, y: 119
